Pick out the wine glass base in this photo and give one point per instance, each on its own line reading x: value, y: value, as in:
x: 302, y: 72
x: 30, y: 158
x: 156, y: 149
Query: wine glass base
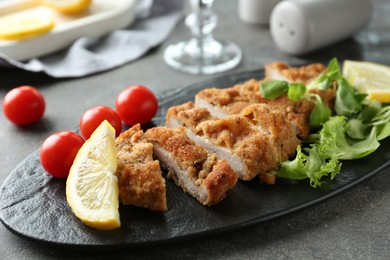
x: 182, y: 57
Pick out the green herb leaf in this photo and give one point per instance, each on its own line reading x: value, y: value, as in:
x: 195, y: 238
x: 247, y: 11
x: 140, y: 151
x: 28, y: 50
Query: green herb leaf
x: 320, y: 114
x: 382, y: 122
x: 323, y: 158
x: 321, y: 82
x: 347, y: 103
x: 382, y: 117
x: 383, y: 131
x: 310, y: 165
x: 334, y: 71
x: 370, y: 110
x: 356, y: 129
x: 333, y: 140
x: 296, y: 91
x: 295, y: 169
x: 339, y: 138
x: 273, y: 88
x: 324, y: 81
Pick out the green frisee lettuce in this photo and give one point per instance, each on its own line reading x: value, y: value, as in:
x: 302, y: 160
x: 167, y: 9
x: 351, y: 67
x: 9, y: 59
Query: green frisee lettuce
x: 352, y: 134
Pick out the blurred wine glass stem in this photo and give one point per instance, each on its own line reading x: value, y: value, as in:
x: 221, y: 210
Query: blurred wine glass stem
x: 202, y: 53
x: 202, y: 22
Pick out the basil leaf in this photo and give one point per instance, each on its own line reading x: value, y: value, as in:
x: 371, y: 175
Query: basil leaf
x: 273, y: 88
x: 296, y: 91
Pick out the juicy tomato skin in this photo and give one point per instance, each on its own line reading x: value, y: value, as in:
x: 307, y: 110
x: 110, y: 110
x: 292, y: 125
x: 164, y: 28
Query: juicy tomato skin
x: 92, y: 118
x: 136, y: 104
x: 24, y: 105
x: 58, y: 152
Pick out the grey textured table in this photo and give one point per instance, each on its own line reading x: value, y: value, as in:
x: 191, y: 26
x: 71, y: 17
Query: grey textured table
x: 352, y: 225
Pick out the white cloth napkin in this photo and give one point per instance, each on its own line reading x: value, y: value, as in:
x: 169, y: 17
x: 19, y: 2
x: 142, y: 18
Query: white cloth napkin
x: 155, y: 21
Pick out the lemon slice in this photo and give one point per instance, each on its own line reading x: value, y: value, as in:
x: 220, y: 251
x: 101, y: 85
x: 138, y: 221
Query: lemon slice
x: 92, y: 187
x: 369, y: 77
x: 68, y: 6
x: 21, y: 27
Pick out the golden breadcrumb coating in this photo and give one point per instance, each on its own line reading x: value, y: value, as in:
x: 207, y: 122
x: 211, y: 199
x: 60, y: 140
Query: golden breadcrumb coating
x: 237, y: 135
x: 260, y: 137
x: 303, y: 74
x: 192, y: 117
x: 276, y: 125
x: 196, y: 171
x: 230, y: 101
x: 140, y: 178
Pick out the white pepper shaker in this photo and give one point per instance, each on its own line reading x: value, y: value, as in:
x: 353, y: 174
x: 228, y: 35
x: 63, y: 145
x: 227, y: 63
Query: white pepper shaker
x: 302, y: 26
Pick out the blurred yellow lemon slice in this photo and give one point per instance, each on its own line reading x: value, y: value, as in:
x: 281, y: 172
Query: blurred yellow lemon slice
x: 369, y: 77
x: 68, y: 6
x: 21, y: 27
x: 92, y: 187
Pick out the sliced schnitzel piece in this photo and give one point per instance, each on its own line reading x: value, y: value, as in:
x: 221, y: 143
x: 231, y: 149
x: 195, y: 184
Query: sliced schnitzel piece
x: 304, y: 74
x: 275, y: 124
x: 198, y: 172
x: 263, y: 118
x: 297, y: 112
x: 230, y: 101
x: 140, y: 178
x: 250, y: 149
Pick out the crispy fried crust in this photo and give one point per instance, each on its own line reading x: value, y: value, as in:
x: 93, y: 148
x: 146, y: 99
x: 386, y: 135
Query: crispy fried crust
x: 197, y: 172
x: 230, y: 101
x: 220, y: 178
x: 238, y: 96
x: 237, y: 134
x: 139, y: 177
x: 191, y: 118
x: 259, y: 142
x: 276, y: 125
x: 304, y: 74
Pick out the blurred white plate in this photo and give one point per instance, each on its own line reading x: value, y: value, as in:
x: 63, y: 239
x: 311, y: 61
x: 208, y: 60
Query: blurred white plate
x: 102, y: 17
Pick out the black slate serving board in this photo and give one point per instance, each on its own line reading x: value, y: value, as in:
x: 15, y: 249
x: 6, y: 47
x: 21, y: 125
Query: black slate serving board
x: 33, y: 204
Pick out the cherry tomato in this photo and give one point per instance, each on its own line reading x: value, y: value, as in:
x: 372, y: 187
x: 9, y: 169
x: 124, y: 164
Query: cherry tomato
x: 136, y: 104
x: 24, y: 105
x: 58, y: 152
x: 94, y: 116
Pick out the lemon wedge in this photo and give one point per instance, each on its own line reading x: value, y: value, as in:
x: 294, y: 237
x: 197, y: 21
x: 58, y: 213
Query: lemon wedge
x: 369, y: 77
x: 92, y: 187
x: 21, y: 27
x: 68, y: 6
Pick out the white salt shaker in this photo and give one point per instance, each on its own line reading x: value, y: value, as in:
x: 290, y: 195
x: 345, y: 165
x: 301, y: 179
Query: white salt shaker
x: 301, y: 26
x: 256, y: 11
